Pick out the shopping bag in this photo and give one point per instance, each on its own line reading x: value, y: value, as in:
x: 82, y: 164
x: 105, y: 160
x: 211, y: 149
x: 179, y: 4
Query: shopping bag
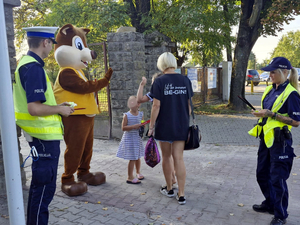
x: 152, y: 157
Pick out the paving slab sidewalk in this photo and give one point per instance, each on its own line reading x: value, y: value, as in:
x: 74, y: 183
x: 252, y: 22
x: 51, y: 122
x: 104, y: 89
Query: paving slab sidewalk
x: 220, y: 186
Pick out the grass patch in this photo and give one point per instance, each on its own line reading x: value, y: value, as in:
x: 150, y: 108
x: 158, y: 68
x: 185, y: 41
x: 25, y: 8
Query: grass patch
x: 214, y: 107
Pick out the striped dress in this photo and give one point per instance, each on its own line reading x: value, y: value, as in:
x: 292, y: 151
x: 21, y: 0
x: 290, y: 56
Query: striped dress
x: 131, y: 146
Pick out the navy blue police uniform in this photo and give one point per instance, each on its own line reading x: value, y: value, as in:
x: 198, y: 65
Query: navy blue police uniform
x: 44, y: 167
x: 274, y: 164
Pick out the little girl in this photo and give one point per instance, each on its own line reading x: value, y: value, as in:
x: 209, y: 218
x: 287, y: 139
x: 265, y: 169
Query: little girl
x: 131, y: 146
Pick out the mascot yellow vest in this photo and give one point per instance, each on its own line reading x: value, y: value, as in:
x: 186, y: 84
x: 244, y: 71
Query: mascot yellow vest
x: 41, y: 127
x: 268, y: 128
x: 86, y: 101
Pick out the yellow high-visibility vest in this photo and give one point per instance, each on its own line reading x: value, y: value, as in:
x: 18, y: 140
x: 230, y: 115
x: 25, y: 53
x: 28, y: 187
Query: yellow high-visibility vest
x: 268, y: 128
x: 86, y: 101
x: 41, y: 127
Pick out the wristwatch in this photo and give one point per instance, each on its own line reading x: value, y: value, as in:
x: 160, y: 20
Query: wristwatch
x: 274, y: 116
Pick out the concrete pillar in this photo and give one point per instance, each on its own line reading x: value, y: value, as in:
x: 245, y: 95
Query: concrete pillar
x: 8, y: 8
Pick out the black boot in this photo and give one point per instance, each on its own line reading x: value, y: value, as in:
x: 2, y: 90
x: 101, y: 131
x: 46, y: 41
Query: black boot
x: 263, y: 208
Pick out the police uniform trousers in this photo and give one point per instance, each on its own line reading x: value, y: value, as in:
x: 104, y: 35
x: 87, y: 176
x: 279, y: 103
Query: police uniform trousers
x: 273, y: 169
x: 43, y: 183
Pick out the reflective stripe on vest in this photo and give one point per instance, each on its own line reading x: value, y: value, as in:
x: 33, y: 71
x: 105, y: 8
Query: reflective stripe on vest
x: 268, y: 128
x: 41, y: 127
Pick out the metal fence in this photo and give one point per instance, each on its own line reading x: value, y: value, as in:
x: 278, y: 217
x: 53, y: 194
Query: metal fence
x: 95, y: 71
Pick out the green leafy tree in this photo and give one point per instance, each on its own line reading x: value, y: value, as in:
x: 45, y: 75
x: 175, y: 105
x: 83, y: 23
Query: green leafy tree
x: 100, y: 16
x: 289, y: 47
x: 263, y: 64
x: 202, y: 28
x: 258, y: 17
x: 252, y: 61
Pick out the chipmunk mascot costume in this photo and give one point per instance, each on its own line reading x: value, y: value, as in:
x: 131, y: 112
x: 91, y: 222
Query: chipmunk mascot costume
x: 72, y: 55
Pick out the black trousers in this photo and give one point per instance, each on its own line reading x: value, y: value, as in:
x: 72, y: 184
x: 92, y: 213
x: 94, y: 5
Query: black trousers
x: 43, y: 183
x: 273, y: 169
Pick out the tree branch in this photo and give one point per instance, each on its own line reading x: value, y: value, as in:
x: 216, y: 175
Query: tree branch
x: 257, y: 6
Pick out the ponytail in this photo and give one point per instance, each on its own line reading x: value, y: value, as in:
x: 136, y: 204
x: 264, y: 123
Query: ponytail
x: 294, y: 79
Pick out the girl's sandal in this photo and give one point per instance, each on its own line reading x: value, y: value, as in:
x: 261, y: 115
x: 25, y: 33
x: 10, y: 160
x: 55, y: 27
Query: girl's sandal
x: 134, y: 181
x: 140, y: 176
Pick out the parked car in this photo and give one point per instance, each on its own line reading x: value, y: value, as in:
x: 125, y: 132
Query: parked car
x: 265, y: 76
x: 252, y: 75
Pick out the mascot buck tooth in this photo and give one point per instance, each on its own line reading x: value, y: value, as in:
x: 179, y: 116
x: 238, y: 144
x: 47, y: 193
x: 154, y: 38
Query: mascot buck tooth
x: 72, y: 55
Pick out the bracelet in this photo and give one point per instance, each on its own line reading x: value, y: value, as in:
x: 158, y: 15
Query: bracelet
x: 151, y: 128
x: 274, y: 116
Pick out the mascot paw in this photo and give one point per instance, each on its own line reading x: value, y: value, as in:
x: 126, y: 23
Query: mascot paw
x: 93, y: 178
x: 108, y: 74
x: 74, y: 188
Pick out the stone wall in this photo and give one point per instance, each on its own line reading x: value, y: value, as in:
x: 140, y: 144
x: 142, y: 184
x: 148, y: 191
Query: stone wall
x: 8, y: 9
x: 126, y: 56
x: 132, y: 55
x: 155, y: 44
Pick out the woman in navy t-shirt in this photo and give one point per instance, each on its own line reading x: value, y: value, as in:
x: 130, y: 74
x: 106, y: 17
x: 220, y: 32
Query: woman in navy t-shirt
x: 149, y: 98
x: 170, y: 114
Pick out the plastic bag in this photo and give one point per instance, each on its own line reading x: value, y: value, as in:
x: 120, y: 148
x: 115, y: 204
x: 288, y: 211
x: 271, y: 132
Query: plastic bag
x: 152, y: 157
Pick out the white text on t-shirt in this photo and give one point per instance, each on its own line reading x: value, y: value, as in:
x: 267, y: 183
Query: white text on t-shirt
x: 170, y: 90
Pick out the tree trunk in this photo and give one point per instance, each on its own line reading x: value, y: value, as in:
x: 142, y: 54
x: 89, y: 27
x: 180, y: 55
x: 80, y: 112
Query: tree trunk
x: 227, y: 33
x: 180, y: 59
x: 247, y: 36
x: 138, y: 9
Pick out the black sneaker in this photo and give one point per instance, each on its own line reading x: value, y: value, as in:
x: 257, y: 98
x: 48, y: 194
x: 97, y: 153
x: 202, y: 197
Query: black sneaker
x: 277, y: 221
x: 181, y: 199
x: 165, y: 192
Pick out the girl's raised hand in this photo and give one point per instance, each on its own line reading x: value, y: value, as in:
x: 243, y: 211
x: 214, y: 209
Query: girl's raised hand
x: 144, y: 81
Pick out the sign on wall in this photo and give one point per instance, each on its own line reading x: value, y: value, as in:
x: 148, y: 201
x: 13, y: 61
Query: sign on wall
x: 193, y: 76
x: 211, y: 78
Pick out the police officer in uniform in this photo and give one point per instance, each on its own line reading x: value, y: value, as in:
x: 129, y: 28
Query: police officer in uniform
x: 280, y: 112
x: 39, y: 117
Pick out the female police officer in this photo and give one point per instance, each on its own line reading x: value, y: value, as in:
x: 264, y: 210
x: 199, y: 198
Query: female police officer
x: 280, y: 112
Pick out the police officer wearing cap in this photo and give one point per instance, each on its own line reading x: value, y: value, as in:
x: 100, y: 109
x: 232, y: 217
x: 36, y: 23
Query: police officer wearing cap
x: 39, y: 117
x: 280, y: 112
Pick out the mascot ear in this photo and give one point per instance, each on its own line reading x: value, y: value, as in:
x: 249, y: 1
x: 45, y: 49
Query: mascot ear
x: 86, y: 30
x: 65, y: 28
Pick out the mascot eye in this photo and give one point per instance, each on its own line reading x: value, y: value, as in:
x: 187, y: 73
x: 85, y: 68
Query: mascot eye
x: 79, y: 44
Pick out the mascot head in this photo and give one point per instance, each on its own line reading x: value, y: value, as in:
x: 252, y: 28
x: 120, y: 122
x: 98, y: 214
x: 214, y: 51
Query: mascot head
x: 72, y: 50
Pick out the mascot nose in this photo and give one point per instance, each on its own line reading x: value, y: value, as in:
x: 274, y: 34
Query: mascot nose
x: 93, y: 54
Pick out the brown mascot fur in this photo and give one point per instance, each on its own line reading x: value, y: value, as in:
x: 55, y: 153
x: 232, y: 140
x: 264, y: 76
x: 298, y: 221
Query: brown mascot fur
x: 72, y: 55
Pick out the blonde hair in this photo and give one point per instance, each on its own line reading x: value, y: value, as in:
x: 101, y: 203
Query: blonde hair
x: 165, y: 61
x: 156, y: 75
x: 293, y: 77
